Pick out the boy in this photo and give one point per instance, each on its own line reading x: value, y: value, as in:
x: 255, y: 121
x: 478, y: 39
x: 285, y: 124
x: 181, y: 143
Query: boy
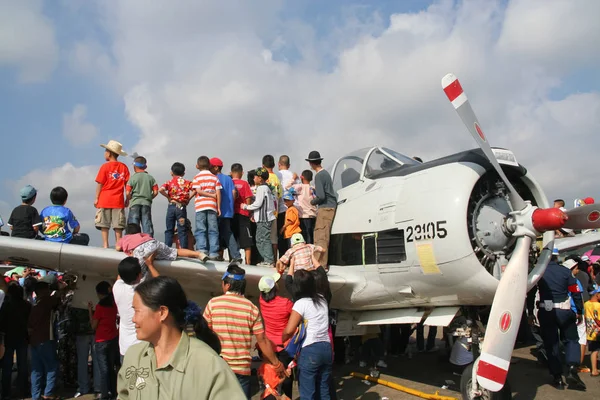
x: 264, y: 216
x: 307, y: 211
x: 141, y: 190
x: 268, y: 163
x: 207, y: 206
x: 592, y: 309
x: 228, y: 196
x: 110, y: 201
x: 241, y: 218
x: 292, y: 221
x: 141, y: 246
x: 301, y: 254
x: 24, y: 220
x: 178, y: 192
x: 58, y: 221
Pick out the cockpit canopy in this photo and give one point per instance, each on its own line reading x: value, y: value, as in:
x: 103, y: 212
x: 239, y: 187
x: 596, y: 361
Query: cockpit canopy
x: 370, y: 163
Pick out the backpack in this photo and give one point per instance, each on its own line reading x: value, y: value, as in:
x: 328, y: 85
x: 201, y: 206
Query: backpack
x: 295, y: 344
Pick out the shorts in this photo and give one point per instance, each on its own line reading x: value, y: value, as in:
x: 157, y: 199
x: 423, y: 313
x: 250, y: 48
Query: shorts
x: 163, y: 252
x: 593, y: 345
x: 107, y: 217
x: 581, y: 331
x: 274, y: 233
x: 241, y: 231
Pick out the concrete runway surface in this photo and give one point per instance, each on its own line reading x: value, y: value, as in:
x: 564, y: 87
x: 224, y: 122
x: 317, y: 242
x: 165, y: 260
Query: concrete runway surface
x: 428, y: 372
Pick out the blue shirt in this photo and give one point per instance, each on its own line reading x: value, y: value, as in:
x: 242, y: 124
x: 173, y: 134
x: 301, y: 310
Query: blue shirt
x: 226, y: 195
x: 573, y: 307
x: 56, y: 221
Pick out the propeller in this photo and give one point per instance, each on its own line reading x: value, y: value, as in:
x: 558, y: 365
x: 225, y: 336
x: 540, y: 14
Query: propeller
x: 584, y: 217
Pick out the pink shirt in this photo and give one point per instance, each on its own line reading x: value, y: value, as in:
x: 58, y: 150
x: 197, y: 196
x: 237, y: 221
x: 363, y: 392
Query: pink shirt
x: 305, y: 195
x: 129, y: 242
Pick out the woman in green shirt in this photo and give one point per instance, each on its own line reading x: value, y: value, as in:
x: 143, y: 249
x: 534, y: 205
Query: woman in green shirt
x: 169, y: 364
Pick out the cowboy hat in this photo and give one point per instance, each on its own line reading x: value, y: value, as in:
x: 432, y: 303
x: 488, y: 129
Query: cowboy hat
x: 114, y: 147
x: 314, y: 156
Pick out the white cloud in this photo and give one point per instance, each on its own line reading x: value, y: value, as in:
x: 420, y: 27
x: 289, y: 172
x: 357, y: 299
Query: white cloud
x: 214, y: 78
x: 75, y: 128
x: 27, y: 40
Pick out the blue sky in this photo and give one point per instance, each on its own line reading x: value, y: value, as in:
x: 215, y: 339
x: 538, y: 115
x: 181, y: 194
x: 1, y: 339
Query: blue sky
x: 337, y: 75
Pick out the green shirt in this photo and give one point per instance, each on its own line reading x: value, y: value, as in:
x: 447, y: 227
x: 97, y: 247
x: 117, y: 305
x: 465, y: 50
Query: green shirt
x: 194, y: 371
x: 141, y: 185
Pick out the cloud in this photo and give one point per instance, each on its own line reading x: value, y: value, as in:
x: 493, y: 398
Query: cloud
x: 239, y: 81
x: 75, y: 129
x: 27, y: 40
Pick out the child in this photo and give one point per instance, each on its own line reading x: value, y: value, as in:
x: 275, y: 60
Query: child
x: 191, y: 240
x: 301, y: 253
x: 141, y: 246
x: 57, y: 219
x: 141, y: 190
x: 24, y: 220
x: 207, y: 206
x: 264, y: 216
x: 110, y: 201
x: 241, y: 218
x: 372, y: 352
x: 106, y: 344
x: 307, y: 212
x: 592, y: 309
x: 292, y: 222
x: 178, y: 192
x: 225, y: 219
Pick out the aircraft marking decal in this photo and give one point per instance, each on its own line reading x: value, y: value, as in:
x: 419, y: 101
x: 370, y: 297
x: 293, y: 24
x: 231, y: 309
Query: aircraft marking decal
x: 428, y: 230
x: 505, y: 322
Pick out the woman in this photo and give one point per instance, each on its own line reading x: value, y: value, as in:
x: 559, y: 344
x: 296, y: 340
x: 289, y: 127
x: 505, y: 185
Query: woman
x: 276, y: 311
x: 169, y: 364
x: 315, y: 360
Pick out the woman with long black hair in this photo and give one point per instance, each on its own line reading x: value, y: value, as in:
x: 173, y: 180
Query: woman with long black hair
x: 169, y: 364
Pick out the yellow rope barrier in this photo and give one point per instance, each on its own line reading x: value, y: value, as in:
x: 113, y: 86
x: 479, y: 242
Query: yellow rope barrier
x: 434, y: 396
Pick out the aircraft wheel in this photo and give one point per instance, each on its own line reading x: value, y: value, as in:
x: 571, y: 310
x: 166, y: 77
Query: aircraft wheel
x: 466, y: 382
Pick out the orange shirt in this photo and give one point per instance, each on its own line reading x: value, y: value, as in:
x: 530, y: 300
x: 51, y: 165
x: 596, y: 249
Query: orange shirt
x: 293, y: 219
x: 113, y: 175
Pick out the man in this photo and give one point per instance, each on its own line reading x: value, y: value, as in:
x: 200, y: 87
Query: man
x: 555, y: 315
x: 228, y: 196
x: 326, y: 201
x: 130, y: 275
x: 235, y: 320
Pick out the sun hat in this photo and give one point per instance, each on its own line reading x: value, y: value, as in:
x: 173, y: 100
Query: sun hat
x: 267, y: 282
x: 115, y: 147
x: 314, y: 156
x: 297, y: 238
x: 27, y: 193
x: 288, y: 196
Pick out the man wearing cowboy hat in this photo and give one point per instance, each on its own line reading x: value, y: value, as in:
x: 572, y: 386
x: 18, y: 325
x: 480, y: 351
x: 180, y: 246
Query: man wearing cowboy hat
x: 326, y: 202
x: 110, y: 192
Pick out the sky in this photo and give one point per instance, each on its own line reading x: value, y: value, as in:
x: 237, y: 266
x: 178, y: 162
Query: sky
x: 236, y: 79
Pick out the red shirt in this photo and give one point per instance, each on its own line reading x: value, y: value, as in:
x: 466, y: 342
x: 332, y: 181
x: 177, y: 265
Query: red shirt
x: 107, y: 323
x: 178, y: 189
x: 276, y: 314
x: 113, y: 176
x: 244, y: 192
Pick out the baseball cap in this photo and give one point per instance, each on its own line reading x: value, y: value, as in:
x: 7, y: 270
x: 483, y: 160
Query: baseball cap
x: 288, y: 196
x: 27, y: 193
x: 216, y: 162
x: 585, y: 258
x: 267, y: 282
x: 595, y: 291
x: 297, y: 238
x: 570, y: 264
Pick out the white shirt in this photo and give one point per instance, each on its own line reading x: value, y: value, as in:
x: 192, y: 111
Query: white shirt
x: 286, y: 177
x: 123, y: 294
x: 317, y: 328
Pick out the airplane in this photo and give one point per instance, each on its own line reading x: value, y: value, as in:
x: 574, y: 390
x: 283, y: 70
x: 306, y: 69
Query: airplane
x: 411, y: 242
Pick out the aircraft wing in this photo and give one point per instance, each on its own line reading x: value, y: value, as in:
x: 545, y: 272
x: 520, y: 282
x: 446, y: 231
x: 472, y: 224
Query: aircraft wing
x: 200, y: 281
x: 574, y: 242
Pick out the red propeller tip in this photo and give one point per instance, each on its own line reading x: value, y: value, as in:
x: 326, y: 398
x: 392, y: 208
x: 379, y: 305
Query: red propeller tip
x: 549, y: 219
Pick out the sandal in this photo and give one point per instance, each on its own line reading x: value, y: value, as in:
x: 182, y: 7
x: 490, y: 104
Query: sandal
x: 594, y: 375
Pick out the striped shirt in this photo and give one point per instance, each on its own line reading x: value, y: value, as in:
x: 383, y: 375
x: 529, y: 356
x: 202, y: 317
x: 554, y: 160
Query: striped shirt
x: 206, y: 182
x: 235, y: 320
x: 302, y: 255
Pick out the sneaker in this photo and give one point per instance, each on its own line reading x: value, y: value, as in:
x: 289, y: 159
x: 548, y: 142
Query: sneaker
x: 381, y: 364
x: 78, y: 394
x: 362, y: 364
x: 203, y: 257
x: 237, y: 261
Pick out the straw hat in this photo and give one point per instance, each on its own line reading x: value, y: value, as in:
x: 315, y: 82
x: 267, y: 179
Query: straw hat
x: 115, y: 147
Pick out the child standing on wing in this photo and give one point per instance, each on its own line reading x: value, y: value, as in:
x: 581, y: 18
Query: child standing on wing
x: 141, y: 190
x: 292, y: 220
x: 208, y: 207
x: 307, y: 211
x: 264, y: 216
x: 178, y: 192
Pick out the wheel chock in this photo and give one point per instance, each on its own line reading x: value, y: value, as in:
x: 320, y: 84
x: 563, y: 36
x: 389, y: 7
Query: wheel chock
x: 431, y: 396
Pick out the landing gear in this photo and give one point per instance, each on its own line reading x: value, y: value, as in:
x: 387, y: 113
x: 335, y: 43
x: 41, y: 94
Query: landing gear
x: 479, y: 393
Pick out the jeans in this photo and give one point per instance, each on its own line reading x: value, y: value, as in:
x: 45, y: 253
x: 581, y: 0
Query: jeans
x: 44, y: 365
x: 226, y: 235
x: 176, y: 216
x: 430, y: 337
x: 263, y: 241
x: 207, y: 226
x: 141, y: 213
x: 282, y: 243
x: 244, y: 381
x: 314, y: 365
x: 85, y: 344
x: 107, y: 354
x: 308, y: 229
x: 7, y: 364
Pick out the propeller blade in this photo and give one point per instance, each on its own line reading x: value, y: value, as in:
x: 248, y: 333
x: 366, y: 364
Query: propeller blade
x: 584, y: 217
x: 505, y: 317
x: 461, y: 104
